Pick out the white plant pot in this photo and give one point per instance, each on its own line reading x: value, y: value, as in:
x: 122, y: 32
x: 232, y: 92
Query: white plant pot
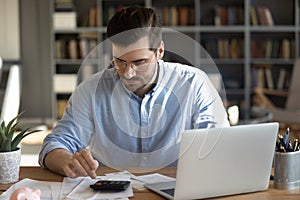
x: 10, y: 166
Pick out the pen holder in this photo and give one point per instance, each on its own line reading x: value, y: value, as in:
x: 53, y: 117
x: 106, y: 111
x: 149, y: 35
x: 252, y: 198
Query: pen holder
x: 287, y: 170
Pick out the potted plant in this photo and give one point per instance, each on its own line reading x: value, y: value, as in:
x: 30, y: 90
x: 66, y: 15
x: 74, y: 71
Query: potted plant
x: 10, y: 152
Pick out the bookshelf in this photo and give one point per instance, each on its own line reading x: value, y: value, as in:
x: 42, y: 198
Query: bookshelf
x: 252, y: 42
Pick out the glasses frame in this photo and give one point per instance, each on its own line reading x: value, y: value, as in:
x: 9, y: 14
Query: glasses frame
x: 138, y: 68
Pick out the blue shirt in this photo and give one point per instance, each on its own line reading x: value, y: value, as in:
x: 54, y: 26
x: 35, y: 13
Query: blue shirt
x: 123, y: 130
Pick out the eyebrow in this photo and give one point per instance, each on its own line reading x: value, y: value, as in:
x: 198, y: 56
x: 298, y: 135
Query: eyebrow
x: 131, y: 61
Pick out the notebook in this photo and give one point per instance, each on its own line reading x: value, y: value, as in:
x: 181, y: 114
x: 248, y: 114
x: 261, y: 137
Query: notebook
x: 222, y: 161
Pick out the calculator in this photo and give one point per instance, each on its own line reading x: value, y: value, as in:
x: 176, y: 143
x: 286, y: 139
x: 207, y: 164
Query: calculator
x: 110, y: 185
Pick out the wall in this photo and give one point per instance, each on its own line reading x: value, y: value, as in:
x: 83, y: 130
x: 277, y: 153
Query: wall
x: 9, y: 32
x: 35, y: 54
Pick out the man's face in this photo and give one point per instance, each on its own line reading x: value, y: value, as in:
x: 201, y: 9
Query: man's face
x: 136, y: 64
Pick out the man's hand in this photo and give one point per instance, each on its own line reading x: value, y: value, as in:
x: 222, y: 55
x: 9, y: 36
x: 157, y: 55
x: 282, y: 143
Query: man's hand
x: 80, y: 164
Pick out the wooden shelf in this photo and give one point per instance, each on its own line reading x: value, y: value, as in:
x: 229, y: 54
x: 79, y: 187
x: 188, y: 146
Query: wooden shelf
x: 204, y: 31
x: 271, y: 92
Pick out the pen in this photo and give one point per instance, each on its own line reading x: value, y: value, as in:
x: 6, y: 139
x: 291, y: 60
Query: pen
x: 290, y: 147
x: 277, y: 145
x: 282, y: 149
x: 281, y: 143
x: 296, y: 145
x: 286, y: 137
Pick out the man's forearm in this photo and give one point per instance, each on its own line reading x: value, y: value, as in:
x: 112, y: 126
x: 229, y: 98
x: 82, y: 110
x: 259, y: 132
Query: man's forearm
x: 56, y: 159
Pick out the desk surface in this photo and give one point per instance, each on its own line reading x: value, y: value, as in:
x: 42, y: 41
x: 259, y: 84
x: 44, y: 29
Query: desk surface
x: 38, y: 173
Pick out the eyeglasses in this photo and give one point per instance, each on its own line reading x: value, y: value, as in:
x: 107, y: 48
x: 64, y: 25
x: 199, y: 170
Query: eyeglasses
x: 139, y: 65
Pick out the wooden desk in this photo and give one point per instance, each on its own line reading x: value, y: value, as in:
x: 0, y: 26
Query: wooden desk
x: 38, y: 173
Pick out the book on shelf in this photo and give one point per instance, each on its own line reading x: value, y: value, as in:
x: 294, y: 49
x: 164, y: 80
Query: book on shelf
x: 73, y: 50
x: 94, y: 17
x: 221, y: 48
x: 83, y: 47
x: 275, y: 49
x: 281, y: 79
x: 225, y: 48
x: 221, y: 15
x: 76, y: 48
x: 60, y: 49
x: 261, y: 15
x: 174, y: 15
x: 183, y: 16
x: 253, y: 16
x: 64, y: 5
x: 285, y: 50
x: 269, y: 78
x: 228, y: 15
x: 61, y: 106
x: 89, y: 35
x: 87, y: 48
x: 268, y: 16
x: 87, y: 42
x: 264, y: 77
x: 260, y: 78
x: 235, y: 49
x: 64, y: 20
x: 268, y: 48
x: 64, y: 83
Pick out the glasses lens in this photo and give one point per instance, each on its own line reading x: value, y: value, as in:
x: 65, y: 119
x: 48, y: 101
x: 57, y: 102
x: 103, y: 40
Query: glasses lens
x: 119, y: 64
x: 139, y: 66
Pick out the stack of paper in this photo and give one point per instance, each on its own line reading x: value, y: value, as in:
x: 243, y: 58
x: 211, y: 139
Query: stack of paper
x: 78, y: 188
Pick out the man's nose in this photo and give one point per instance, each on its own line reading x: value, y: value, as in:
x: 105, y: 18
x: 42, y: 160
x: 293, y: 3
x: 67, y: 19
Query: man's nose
x: 129, y: 71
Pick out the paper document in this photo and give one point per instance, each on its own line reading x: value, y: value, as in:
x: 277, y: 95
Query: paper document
x: 50, y: 190
x: 138, y: 182
x: 79, y: 188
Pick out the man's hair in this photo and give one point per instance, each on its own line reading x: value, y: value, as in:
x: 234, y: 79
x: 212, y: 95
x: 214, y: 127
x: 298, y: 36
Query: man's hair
x: 132, y: 23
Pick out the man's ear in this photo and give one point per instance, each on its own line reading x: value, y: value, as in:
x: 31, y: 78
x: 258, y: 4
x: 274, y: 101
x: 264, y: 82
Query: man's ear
x: 161, y: 50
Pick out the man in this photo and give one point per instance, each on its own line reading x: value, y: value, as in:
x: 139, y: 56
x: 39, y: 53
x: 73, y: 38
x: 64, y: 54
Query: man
x: 131, y: 115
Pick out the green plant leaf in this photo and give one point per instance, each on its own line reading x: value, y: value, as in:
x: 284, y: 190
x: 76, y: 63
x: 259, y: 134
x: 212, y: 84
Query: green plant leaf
x: 2, y: 131
x: 2, y: 135
x: 12, y: 131
x: 11, y: 124
x: 5, y: 146
x: 20, y: 136
x: 9, y: 137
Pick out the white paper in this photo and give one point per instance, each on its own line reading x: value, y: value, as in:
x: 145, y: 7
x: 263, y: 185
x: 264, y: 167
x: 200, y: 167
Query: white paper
x: 138, y: 182
x: 82, y: 189
x: 46, y: 188
x: 79, y: 188
x: 68, y: 185
x: 150, y: 178
x: 134, y: 183
x: 154, y: 178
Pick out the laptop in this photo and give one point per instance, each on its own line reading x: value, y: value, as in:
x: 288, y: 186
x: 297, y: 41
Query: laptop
x: 222, y: 161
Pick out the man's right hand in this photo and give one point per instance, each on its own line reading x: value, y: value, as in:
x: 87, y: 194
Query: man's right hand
x: 80, y: 164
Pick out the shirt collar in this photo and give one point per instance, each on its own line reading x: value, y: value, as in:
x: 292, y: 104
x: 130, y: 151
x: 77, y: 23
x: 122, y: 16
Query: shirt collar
x: 160, y: 75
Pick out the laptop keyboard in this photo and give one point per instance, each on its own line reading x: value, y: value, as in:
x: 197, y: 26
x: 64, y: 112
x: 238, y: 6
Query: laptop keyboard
x: 169, y: 191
